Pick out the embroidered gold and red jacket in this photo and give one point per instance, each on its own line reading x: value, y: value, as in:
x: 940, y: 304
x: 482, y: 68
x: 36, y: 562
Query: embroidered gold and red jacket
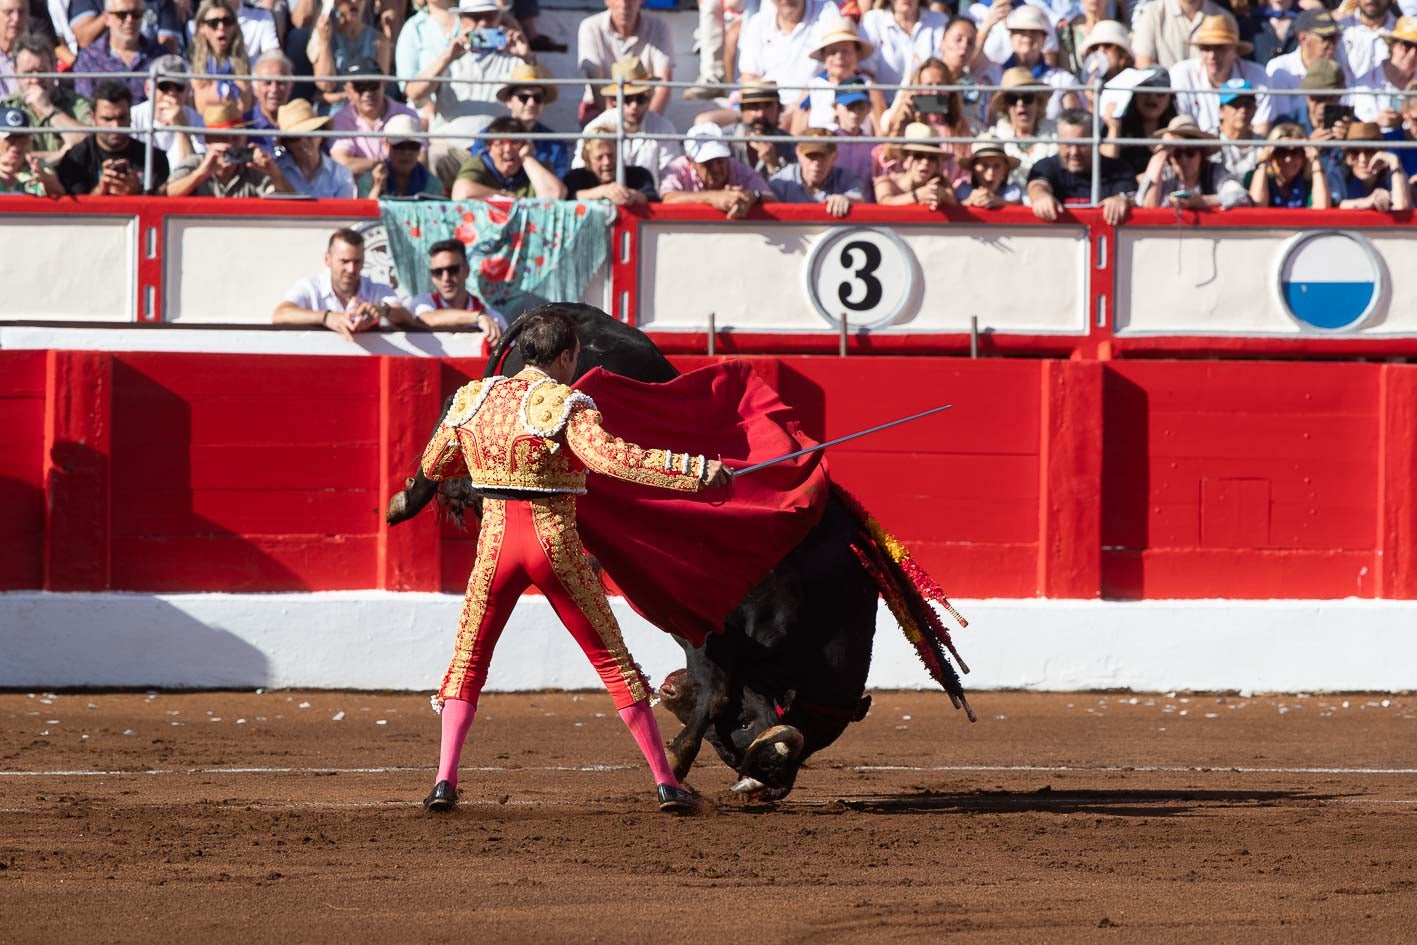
x: 530, y: 433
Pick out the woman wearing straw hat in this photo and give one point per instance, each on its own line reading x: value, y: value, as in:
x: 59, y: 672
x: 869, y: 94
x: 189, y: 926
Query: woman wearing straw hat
x: 307, y: 168
x: 1216, y: 60
x: 1184, y: 173
x: 1289, y: 175
x: 989, y: 186
x: 1018, y: 108
x: 841, y: 51
x: 918, y: 181
x: 1372, y: 177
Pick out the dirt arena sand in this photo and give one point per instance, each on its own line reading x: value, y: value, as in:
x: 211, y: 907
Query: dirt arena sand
x: 294, y: 817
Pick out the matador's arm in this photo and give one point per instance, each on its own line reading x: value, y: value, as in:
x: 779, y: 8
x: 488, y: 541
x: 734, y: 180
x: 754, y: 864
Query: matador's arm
x: 442, y: 457
x: 612, y: 456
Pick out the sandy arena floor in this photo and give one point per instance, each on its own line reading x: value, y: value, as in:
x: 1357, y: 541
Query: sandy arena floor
x: 294, y: 817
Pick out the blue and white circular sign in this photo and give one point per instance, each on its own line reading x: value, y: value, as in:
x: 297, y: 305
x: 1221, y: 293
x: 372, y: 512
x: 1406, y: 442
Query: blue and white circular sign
x: 1330, y: 280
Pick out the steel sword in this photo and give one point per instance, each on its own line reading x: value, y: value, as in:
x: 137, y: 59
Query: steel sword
x: 841, y: 439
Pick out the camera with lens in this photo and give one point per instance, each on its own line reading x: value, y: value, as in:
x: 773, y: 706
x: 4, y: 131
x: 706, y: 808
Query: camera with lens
x: 236, y: 155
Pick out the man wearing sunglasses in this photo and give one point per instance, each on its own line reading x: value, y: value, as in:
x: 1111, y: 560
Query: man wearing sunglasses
x: 652, y: 154
x: 450, y: 304
x: 169, y: 102
x: 123, y: 48
x: 369, y: 109
x: 526, y: 100
x: 161, y: 22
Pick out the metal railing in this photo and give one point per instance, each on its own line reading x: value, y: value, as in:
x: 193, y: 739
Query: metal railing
x: 621, y: 136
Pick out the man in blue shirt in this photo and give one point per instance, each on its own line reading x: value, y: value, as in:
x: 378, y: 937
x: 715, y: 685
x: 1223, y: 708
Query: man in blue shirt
x: 526, y: 100
x: 1407, y: 131
x: 815, y: 178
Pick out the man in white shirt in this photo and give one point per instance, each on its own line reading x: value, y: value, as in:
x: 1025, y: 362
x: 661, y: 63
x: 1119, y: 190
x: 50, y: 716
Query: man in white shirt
x: 342, y: 298
x: 900, y: 51
x: 450, y: 304
x: 1162, y: 30
x: 1216, y: 61
x: 258, y: 29
x: 169, y: 98
x: 1318, y: 39
x: 654, y: 155
x: 1362, y: 44
x: 775, y: 44
x: 622, y: 31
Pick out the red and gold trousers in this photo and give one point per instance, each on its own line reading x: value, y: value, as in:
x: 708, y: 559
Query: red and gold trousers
x: 535, y: 542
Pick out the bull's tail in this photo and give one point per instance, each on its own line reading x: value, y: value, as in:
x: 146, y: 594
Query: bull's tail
x: 908, y: 591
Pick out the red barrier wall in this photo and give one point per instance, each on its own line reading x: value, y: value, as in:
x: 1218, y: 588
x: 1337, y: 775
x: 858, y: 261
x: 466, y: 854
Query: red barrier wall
x: 210, y: 472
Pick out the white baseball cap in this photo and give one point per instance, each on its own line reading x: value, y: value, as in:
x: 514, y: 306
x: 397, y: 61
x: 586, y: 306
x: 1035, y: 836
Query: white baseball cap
x: 705, y: 142
x: 479, y: 6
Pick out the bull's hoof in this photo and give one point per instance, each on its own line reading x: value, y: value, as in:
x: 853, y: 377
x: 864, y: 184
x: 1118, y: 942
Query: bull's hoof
x: 398, y: 508
x: 772, y: 760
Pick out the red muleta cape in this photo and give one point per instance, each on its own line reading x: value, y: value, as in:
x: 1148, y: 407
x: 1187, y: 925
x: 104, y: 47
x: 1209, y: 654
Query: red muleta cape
x: 685, y: 561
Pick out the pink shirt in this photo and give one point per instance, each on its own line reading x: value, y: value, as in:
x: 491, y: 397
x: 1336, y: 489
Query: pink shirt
x: 679, y: 175
x: 346, y: 119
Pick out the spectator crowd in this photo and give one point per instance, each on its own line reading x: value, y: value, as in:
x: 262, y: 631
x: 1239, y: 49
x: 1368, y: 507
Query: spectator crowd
x: 817, y: 69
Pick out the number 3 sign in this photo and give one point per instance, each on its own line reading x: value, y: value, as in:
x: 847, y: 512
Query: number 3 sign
x: 867, y: 274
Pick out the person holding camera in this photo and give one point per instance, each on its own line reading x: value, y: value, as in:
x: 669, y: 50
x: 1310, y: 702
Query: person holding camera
x: 481, y: 57
x: 307, y: 169
x: 110, y: 163
x: 231, y: 167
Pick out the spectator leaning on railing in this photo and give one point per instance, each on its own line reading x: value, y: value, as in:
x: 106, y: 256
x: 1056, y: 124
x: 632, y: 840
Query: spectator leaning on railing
x: 230, y: 167
x: 1372, y: 178
x: 1288, y: 175
x: 450, y: 304
x: 919, y: 180
x: 45, y: 102
x: 1019, y: 107
x: 306, y: 168
x: 110, y: 163
x: 759, y: 111
x: 1066, y: 177
x: 122, y: 49
x: 594, y: 178
x: 342, y: 298
x: 509, y: 169
x: 815, y: 177
x: 21, y: 171
x: 1185, y: 172
x: 708, y: 173
x: 989, y: 186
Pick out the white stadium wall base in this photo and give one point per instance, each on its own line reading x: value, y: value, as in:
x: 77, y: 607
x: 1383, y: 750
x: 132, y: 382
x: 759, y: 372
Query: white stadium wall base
x: 379, y: 640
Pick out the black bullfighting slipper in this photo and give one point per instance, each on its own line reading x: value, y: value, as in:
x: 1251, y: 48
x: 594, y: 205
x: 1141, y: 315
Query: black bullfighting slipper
x: 544, y: 43
x: 444, y: 798
x: 677, y: 800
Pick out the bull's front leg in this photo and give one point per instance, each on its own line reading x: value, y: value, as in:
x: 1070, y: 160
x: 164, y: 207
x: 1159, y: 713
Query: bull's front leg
x: 696, y: 695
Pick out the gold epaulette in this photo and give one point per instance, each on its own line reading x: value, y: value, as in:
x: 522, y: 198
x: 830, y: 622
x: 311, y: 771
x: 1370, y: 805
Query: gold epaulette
x: 546, y: 406
x: 468, y: 399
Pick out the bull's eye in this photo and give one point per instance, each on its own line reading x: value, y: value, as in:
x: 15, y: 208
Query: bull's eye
x: 747, y: 724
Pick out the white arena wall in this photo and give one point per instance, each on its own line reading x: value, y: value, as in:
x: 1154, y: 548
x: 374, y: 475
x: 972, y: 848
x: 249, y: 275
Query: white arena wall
x: 378, y: 640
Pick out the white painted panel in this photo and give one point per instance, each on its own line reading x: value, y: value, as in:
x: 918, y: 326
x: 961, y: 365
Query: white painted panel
x: 68, y: 268
x: 235, y: 271
x: 1225, y: 282
x: 1015, y: 279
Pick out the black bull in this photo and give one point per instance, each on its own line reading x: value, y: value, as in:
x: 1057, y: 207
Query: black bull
x: 788, y: 673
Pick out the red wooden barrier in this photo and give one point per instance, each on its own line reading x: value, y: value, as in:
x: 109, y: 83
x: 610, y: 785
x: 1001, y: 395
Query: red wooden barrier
x: 205, y: 472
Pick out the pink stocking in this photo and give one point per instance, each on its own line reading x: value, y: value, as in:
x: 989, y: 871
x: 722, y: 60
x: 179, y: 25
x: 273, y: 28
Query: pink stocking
x: 457, y: 719
x: 639, y: 718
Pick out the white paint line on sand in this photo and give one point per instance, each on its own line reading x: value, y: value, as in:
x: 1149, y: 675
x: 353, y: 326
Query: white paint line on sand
x: 594, y: 769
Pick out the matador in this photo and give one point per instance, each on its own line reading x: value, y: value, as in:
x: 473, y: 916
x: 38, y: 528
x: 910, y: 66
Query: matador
x: 526, y: 443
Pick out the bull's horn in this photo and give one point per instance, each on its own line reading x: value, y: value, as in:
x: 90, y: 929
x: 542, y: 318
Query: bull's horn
x: 747, y: 785
x: 785, y: 737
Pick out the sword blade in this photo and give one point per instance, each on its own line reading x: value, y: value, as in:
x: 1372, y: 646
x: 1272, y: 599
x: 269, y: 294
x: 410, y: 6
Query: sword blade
x: 841, y: 439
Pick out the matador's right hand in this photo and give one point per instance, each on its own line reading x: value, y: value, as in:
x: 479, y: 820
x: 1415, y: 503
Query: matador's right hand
x: 716, y: 475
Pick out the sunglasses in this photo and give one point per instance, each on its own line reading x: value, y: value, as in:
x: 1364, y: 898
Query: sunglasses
x: 1012, y: 98
x: 125, y: 14
x: 438, y: 272
x: 365, y: 87
x: 1185, y: 152
x: 1404, y: 44
x: 171, y: 88
x: 219, y: 22
x: 639, y: 98
x: 537, y: 97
